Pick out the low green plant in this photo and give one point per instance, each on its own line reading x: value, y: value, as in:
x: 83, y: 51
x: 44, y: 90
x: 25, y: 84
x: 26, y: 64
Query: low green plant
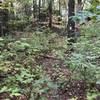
x: 19, y: 71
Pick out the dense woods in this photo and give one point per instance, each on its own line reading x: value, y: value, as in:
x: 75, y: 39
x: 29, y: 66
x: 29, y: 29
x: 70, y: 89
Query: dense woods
x: 49, y: 49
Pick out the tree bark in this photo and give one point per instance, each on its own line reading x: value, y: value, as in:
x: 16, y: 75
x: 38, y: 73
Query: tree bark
x: 3, y: 22
x: 50, y: 14
x: 71, y: 23
x: 59, y: 7
x: 79, y: 8
x: 34, y: 8
x: 39, y: 9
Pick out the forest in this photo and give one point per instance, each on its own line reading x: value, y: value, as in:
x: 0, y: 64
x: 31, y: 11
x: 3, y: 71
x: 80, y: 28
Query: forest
x: 49, y: 49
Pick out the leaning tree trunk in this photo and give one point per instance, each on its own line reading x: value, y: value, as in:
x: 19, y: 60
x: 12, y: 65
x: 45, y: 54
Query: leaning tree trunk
x: 71, y: 23
x: 50, y: 14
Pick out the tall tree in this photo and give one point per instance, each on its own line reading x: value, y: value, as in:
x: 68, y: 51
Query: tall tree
x: 50, y: 13
x: 4, y: 14
x: 71, y: 23
x: 39, y: 8
x: 59, y: 7
x: 34, y: 8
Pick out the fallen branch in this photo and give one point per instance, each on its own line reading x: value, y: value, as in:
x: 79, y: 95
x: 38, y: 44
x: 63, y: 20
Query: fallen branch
x: 50, y: 57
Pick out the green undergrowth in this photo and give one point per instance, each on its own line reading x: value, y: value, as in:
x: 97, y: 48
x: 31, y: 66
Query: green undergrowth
x: 21, y: 72
x: 85, y: 60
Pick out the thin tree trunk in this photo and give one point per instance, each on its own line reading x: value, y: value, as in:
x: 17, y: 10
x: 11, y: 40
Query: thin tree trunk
x: 43, y: 3
x: 39, y: 8
x: 1, y: 30
x: 71, y: 23
x: 50, y: 14
x: 79, y: 8
x: 4, y: 14
x: 77, y: 25
x: 34, y: 8
x: 59, y: 7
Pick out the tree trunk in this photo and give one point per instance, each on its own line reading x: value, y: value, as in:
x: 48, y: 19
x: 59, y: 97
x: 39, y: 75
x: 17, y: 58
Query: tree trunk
x: 59, y: 7
x: 34, y: 8
x: 39, y: 9
x: 71, y: 23
x: 43, y: 3
x: 79, y: 5
x: 1, y: 29
x: 50, y: 14
x: 3, y: 22
x: 77, y: 25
